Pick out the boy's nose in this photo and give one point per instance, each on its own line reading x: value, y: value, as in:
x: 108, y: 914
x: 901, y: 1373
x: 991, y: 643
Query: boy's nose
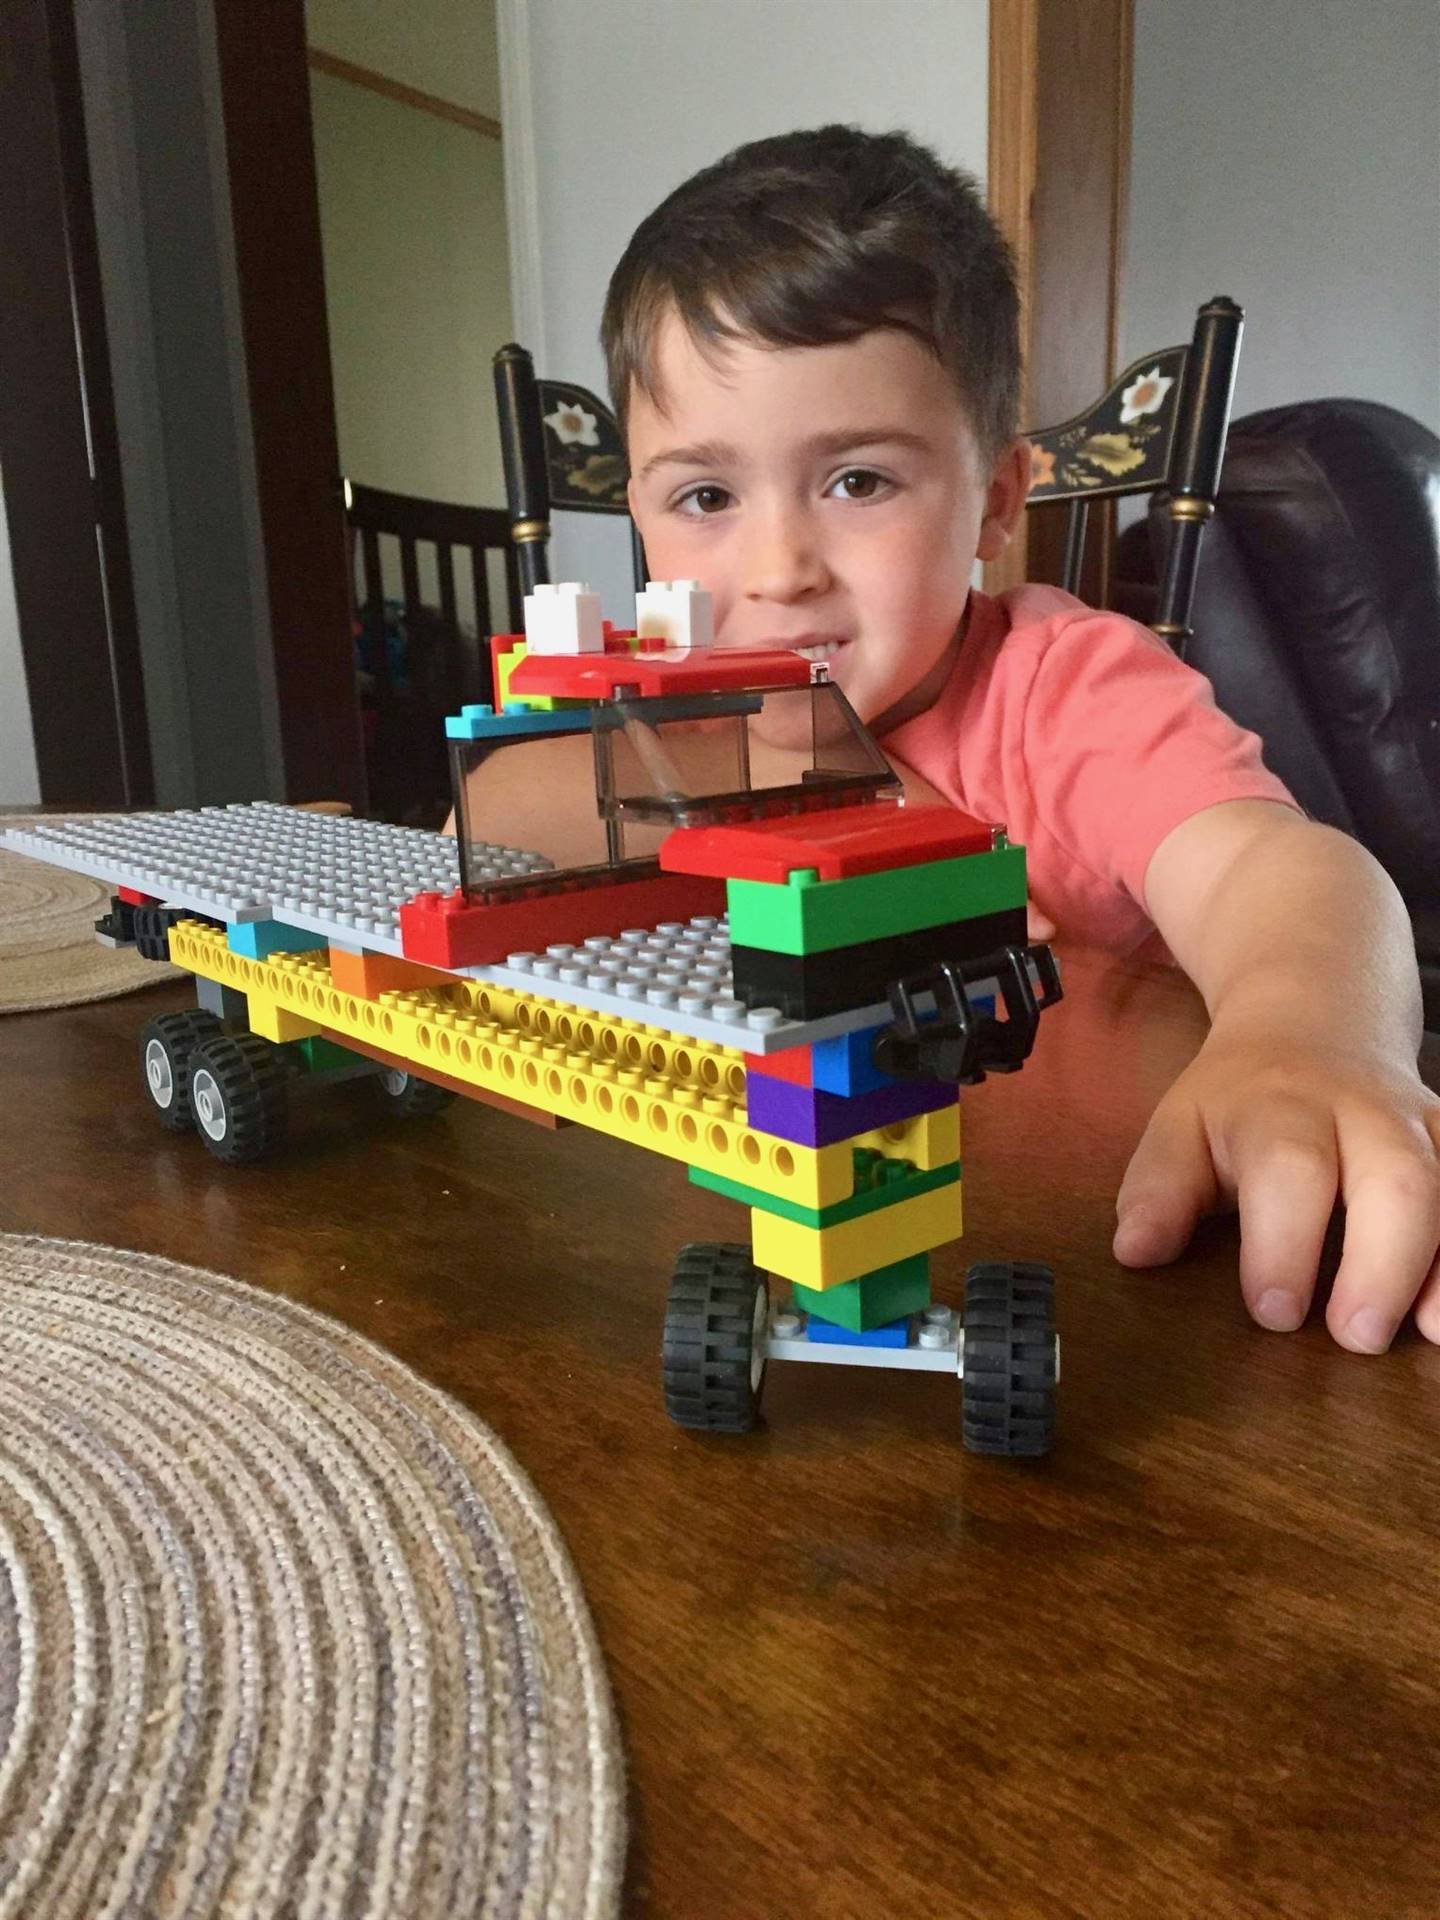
x: 785, y: 561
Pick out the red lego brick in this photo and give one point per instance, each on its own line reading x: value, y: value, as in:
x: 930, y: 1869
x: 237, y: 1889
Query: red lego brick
x: 837, y: 844
x: 594, y: 676
x: 134, y: 899
x: 794, y: 1064
x: 501, y: 644
x: 621, y: 641
x: 444, y: 930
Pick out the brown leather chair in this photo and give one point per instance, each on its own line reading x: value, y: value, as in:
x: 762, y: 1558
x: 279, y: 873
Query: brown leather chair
x: 1317, y: 619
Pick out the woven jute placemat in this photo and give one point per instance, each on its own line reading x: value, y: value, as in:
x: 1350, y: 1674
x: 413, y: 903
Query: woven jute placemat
x: 283, y: 1629
x: 49, y: 956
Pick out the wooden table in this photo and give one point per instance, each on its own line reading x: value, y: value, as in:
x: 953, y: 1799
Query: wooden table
x: 1187, y: 1666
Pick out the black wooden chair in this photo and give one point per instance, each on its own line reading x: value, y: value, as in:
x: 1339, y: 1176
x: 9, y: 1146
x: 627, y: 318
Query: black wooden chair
x: 1159, y: 429
x: 421, y: 658
x: 563, y: 453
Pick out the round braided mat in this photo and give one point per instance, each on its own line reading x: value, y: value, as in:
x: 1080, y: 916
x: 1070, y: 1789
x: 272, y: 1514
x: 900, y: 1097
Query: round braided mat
x: 283, y: 1629
x: 49, y: 956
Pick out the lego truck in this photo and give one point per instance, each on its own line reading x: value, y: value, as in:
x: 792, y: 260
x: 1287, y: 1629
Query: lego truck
x: 746, y: 953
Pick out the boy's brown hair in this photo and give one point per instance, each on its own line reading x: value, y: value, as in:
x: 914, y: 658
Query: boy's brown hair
x: 810, y: 238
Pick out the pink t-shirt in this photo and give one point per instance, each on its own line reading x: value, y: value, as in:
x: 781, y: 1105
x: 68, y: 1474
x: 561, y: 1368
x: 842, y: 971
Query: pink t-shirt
x: 1083, y: 735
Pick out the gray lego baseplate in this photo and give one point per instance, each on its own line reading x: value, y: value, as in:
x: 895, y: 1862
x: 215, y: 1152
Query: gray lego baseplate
x: 677, y: 977
x: 325, y: 873
x: 346, y: 880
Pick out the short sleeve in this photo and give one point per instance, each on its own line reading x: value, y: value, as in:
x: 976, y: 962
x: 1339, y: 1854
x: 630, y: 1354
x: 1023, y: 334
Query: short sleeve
x: 1122, y: 742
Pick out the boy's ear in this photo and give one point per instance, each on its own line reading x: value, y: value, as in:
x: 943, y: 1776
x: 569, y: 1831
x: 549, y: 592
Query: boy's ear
x: 1004, y: 500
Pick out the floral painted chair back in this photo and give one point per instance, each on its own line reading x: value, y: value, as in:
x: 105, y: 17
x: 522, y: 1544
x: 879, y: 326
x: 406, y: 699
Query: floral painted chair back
x: 562, y: 451
x: 1160, y: 428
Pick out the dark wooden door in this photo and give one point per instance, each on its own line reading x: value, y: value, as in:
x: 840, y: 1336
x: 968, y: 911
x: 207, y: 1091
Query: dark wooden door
x: 270, y: 150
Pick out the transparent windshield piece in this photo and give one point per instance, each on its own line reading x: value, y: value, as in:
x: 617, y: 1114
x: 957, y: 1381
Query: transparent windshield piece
x: 704, y: 757
x: 606, y: 794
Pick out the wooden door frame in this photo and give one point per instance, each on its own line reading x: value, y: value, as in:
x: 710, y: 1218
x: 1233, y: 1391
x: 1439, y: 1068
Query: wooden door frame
x: 1061, y: 77
x: 74, y: 596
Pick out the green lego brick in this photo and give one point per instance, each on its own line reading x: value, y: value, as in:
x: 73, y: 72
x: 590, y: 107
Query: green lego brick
x: 874, y: 1299
x: 323, y: 1056
x: 811, y: 915
x: 879, y: 1182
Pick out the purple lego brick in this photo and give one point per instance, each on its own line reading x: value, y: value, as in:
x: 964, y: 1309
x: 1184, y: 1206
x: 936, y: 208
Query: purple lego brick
x: 813, y: 1118
x: 825, y: 1332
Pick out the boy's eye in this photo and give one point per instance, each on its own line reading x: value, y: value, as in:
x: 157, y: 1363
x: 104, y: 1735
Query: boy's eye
x: 702, y: 500
x: 859, y: 483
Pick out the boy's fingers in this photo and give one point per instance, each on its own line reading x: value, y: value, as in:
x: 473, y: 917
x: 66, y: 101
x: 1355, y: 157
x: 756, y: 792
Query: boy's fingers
x: 1169, y: 1183
x: 1392, y: 1228
x: 1286, y: 1168
x: 1427, y: 1306
x: 1037, y: 926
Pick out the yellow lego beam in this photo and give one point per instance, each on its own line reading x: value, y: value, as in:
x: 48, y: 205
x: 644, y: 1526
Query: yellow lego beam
x: 658, y: 1090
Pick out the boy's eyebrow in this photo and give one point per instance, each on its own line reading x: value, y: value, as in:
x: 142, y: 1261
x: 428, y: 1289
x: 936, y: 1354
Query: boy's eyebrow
x: 718, y: 453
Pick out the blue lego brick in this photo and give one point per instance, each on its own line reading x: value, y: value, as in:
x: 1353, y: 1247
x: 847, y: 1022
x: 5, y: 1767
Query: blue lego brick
x: 843, y: 1065
x: 826, y: 1333
x: 483, y: 723
x: 258, y: 939
x: 812, y: 1118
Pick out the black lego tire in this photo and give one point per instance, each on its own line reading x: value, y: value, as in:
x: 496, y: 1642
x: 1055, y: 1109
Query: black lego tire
x: 1011, y: 1359
x: 238, y: 1096
x: 151, y: 929
x: 166, y: 1045
x: 409, y: 1097
x: 713, y: 1356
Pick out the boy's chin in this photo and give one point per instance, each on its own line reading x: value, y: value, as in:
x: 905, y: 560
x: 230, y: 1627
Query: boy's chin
x: 788, y: 727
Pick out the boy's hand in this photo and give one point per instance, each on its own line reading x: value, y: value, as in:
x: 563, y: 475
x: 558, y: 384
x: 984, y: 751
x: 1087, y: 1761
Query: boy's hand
x: 1282, y: 1127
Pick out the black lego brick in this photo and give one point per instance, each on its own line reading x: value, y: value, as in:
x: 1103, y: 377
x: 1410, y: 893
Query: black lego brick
x: 806, y: 986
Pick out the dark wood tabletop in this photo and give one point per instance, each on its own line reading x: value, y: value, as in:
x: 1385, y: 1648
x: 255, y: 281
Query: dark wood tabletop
x: 1185, y: 1666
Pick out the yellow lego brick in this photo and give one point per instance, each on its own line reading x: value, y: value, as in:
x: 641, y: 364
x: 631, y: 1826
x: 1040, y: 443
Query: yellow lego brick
x: 658, y: 1090
x: 829, y: 1256
x: 930, y: 1140
x: 276, y: 1023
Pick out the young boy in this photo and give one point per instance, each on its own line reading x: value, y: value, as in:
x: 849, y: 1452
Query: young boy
x: 813, y: 351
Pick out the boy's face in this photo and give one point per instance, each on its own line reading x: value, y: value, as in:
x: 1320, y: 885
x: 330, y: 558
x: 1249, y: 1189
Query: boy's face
x: 832, y: 499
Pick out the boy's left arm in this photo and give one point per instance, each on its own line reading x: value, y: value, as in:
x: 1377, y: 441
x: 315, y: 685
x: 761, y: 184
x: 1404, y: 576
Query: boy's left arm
x: 1306, y: 1087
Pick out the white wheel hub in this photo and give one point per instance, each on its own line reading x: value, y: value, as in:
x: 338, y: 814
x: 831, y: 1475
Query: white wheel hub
x: 394, y: 1082
x: 208, y: 1102
x: 159, y: 1075
x: 759, y: 1333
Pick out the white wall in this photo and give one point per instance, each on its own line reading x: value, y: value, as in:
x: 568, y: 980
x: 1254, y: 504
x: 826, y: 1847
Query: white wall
x: 19, y: 776
x: 629, y: 97
x: 1289, y: 155
x: 417, y: 289
x: 444, y: 47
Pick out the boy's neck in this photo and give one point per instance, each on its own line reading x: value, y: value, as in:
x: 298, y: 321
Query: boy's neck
x: 923, y: 695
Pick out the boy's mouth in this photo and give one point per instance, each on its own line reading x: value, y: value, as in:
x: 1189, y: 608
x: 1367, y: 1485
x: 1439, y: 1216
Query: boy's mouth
x: 811, y: 646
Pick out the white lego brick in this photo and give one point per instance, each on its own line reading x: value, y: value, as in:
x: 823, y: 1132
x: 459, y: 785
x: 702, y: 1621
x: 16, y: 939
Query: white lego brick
x: 563, y: 619
x: 679, y: 612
